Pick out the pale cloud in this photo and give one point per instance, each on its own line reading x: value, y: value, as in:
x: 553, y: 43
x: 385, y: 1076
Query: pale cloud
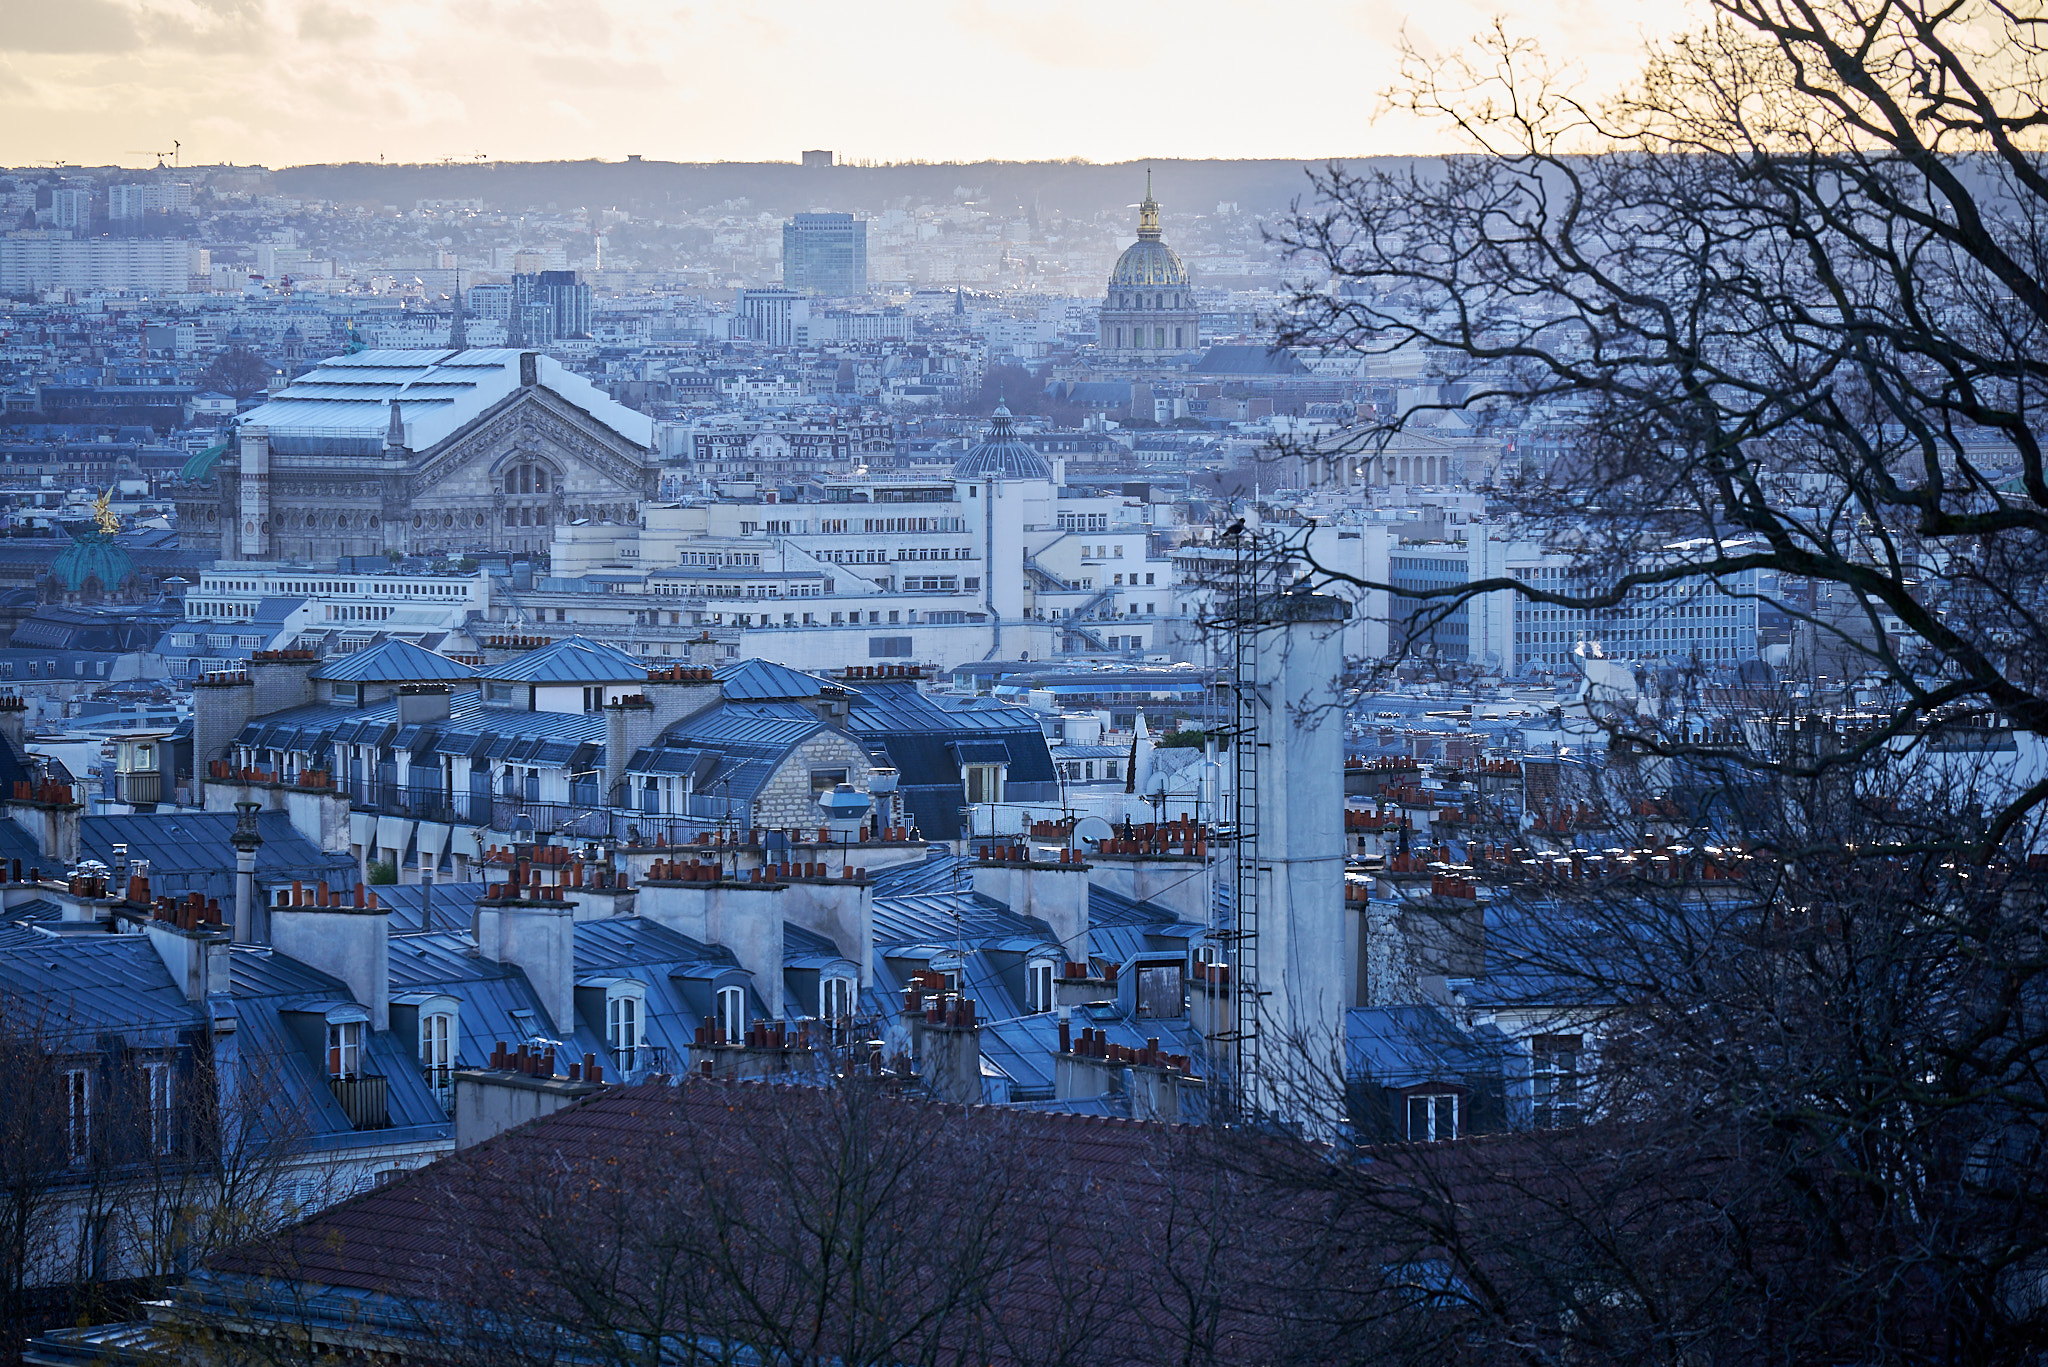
x: 33, y: 26
x: 288, y: 81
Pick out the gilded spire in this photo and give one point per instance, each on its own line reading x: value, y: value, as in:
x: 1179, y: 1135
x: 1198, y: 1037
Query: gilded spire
x: 1148, y: 213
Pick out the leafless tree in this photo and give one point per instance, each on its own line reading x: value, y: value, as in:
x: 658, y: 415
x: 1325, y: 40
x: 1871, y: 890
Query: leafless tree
x: 238, y: 371
x: 834, y: 1225
x: 1809, y: 1107
x: 1781, y: 307
x: 122, y: 1167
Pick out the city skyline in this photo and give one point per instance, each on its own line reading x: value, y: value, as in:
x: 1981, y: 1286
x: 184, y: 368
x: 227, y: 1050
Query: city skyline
x: 287, y: 82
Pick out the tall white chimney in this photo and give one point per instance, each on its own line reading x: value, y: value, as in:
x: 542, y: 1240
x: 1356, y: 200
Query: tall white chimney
x: 1304, y: 946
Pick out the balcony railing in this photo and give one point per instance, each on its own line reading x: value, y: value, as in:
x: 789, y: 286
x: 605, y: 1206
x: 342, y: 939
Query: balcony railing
x: 419, y: 803
x: 365, y: 1100
x: 495, y: 810
x: 441, y: 1082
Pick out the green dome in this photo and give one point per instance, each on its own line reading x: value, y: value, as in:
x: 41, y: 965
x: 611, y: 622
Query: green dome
x: 93, y: 556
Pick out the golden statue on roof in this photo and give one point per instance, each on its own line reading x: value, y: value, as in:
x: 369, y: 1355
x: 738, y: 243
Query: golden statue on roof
x: 103, y: 515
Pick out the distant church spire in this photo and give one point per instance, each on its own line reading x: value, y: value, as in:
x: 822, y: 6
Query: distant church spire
x: 458, y: 329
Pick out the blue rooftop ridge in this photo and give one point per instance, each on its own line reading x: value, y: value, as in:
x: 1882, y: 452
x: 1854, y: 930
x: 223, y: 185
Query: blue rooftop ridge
x: 764, y: 680
x: 393, y: 661
x: 570, y: 660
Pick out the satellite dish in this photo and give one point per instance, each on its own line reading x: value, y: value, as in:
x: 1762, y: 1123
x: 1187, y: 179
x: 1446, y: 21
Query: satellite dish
x: 1093, y: 828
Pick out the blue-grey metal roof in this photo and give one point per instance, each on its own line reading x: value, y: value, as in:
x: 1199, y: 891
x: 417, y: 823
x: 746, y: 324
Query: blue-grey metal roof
x: 999, y: 455
x: 1401, y: 1046
x: 917, y: 732
x: 15, y: 843
x: 89, y: 985
x: 393, y: 661
x: 571, y: 660
x: 189, y: 852
x: 732, y: 747
x: 764, y: 680
x: 273, y: 612
x: 470, y: 728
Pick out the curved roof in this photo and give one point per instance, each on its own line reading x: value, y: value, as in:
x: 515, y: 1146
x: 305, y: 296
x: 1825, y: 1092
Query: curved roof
x: 1149, y: 261
x: 94, y: 556
x: 200, y: 466
x: 393, y: 661
x: 999, y: 455
x: 1151, y: 264
x: 573, y: 659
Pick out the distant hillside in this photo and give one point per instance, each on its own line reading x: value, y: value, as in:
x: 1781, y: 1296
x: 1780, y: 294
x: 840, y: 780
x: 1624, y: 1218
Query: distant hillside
x: 1078, y: 189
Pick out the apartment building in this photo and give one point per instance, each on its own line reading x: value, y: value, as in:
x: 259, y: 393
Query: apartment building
x: 991, y: 556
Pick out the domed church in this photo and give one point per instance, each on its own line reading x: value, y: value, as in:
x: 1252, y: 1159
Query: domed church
x: 1150, y: 313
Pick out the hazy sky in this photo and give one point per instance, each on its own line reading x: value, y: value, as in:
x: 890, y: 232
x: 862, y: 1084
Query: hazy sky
x: 289, y: 81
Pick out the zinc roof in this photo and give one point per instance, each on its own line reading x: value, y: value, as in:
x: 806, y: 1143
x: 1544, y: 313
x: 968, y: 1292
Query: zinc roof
x: 439, y: 392
x: 574, y: 659
x: 393, y: 661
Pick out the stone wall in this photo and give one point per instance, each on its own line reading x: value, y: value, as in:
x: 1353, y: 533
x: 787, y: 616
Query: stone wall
x: 786, y: 802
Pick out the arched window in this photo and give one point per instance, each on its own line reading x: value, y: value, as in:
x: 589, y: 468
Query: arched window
x: 1038, y: 986
x: 732, y: 1013
x: 835, y: 999
x: 438, y: 1041
x: 625, y: 1012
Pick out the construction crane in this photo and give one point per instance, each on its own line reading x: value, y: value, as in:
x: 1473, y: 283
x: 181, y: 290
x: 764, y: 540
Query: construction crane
x: 172, y: 154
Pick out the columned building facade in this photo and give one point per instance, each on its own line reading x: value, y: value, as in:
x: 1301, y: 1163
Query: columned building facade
x: 419, y: 452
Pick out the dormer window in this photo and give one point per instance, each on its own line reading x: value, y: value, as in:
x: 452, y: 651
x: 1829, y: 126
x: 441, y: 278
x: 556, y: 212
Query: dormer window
x: 1160, y: 993
x: 344, y: 1049
x: 438, y: 1041
x: 984, y: 782
x: 1432, y: 1116
x: 1038, y: 985
x: 625, y: 1015
x: 732, y: 1013
x: 835, y: 999
x: 78, y: 1113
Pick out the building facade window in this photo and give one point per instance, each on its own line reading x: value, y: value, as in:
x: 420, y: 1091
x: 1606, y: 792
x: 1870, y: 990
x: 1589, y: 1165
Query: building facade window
x: 623, y: 1026
x: 835, y: 999
x: 1554, y: 1073
x: 732, y: 1013
x: 78, y: 1113
x: 1432, y: 1116
x: 344, y: 1049
x: 1038, y: 986
x: 984, y: 782
x: 1160, y: 994
x: 160, y: 1080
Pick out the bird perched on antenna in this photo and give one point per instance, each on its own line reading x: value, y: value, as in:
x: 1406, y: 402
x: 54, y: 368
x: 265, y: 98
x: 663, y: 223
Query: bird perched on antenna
x: 1234, y: 528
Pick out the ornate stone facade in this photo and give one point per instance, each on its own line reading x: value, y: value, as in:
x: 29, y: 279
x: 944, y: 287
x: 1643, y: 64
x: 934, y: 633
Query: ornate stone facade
x: 500, y: 481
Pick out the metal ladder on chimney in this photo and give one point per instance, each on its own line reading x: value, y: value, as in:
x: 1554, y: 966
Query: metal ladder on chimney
x: 1245, y: 743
